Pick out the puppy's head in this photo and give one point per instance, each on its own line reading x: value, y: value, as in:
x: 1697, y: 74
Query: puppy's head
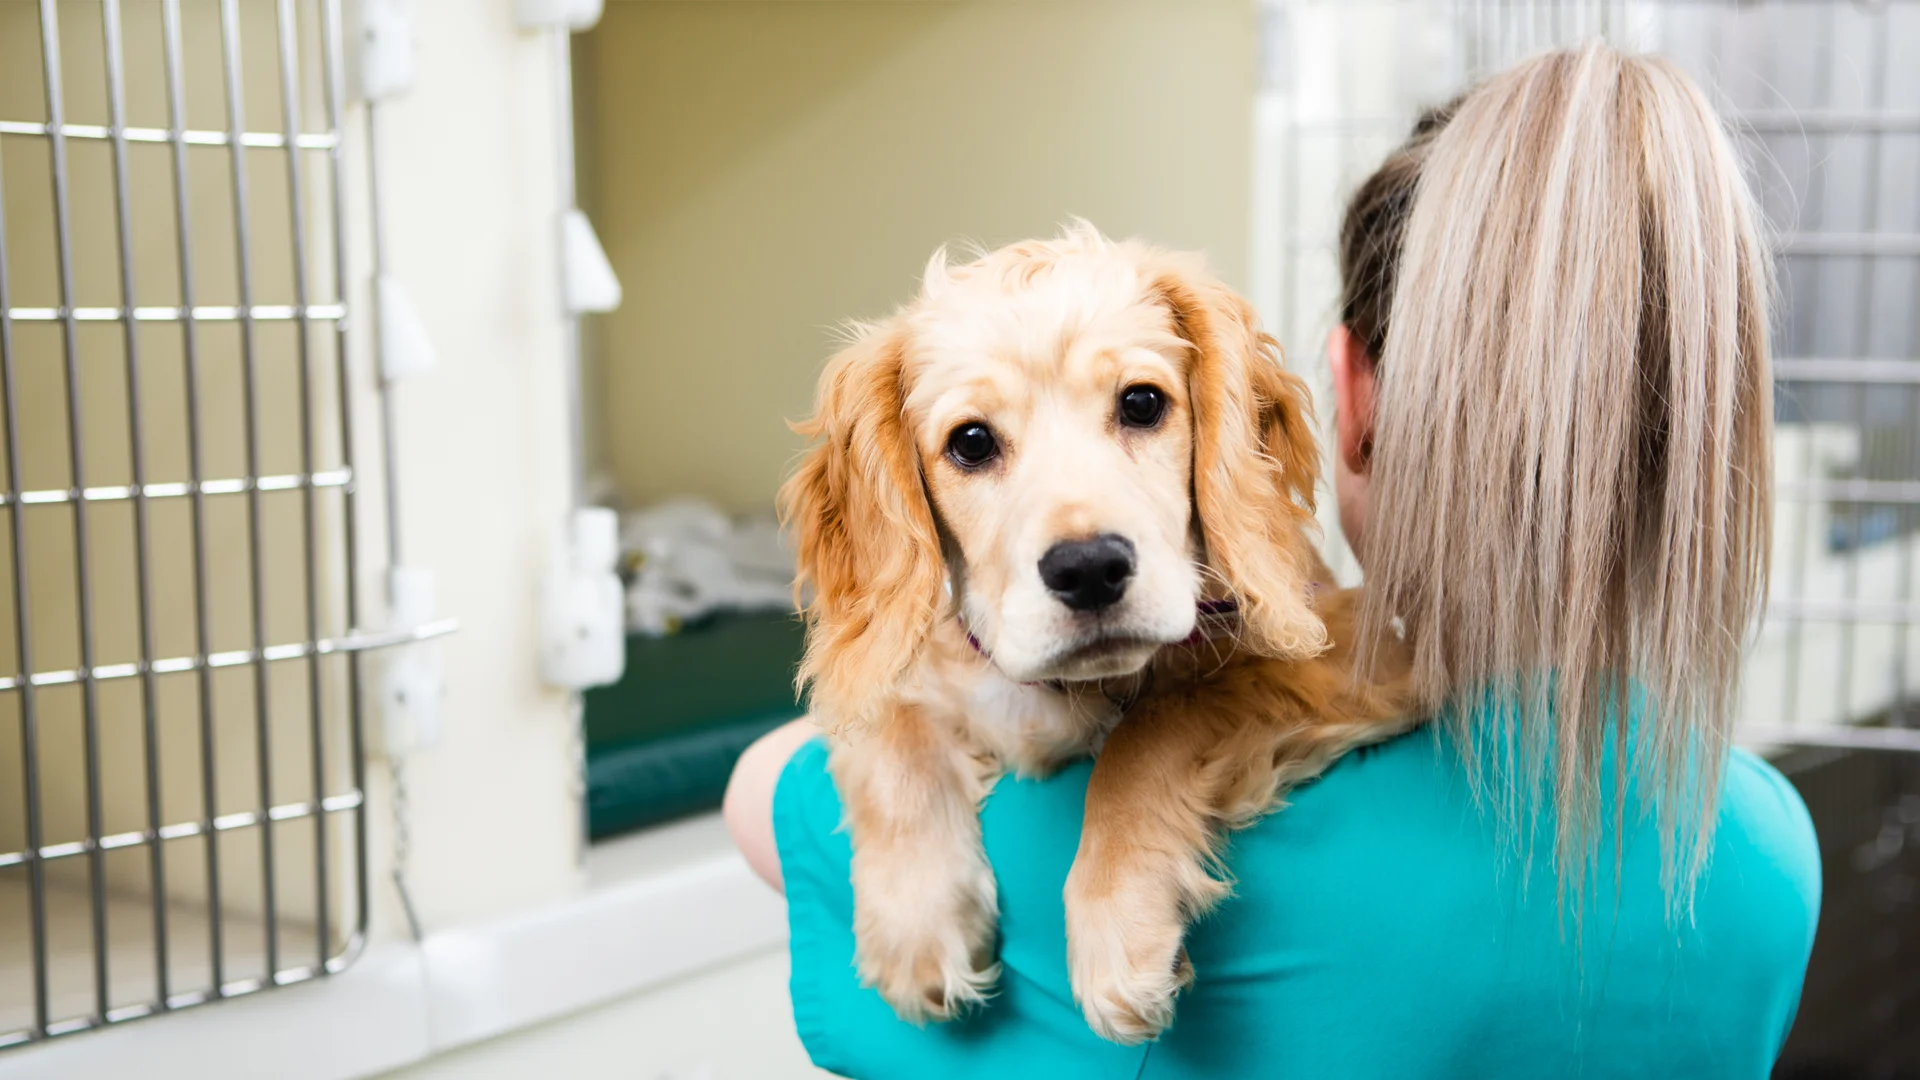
x: 1086, y: 438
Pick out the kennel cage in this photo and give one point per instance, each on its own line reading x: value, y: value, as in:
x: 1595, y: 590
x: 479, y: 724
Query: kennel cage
x: 183, y: 807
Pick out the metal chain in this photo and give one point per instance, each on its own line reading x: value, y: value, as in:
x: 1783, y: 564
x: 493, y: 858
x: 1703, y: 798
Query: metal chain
x: 577, y: 770
x: 403, y: 847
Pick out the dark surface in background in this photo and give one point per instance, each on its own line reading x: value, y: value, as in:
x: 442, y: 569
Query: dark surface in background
x: 1860, y: 1012
x: 662, y: 741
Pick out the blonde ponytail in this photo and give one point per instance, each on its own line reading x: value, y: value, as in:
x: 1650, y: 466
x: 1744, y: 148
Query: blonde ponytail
x: 1572, y: 469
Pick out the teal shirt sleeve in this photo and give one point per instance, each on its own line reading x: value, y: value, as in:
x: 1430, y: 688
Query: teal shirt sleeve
x: 1378, y: 928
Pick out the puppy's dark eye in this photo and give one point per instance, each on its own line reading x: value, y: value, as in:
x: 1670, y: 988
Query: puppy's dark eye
x: 1141, y: 406
x: 972, y: 445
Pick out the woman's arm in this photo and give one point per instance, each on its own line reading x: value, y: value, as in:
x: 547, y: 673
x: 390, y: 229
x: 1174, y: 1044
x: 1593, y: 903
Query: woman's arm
x: 748, y: 808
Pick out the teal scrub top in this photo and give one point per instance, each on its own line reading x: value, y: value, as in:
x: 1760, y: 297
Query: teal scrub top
x: 1379, y: 927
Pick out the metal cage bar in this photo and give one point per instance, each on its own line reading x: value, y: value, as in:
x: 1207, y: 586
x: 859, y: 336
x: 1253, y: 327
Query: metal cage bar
x: 83, y: 584
x: 209, y: 798
x: 149, y: 712
x: 284, y: 17
x: 250, y: 423
x: 328, y: 563
x: 265, y: 140
x: 23, y: 645
x: 332, y: 50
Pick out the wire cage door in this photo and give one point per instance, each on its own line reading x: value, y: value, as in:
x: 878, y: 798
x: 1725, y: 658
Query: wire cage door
x: 182, y: 807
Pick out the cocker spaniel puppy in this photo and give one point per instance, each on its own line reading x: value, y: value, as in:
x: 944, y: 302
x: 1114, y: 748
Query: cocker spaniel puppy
x: 1059, y: 504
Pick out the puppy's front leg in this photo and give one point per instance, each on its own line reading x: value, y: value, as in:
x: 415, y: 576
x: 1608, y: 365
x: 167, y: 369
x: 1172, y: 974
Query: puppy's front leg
x: 1141, y: 874
x: 1182, y: 770
x: 925, y: 908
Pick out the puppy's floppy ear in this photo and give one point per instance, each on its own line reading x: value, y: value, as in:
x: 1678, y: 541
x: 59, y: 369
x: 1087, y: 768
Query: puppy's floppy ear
x: 864, y: 533
x: 1255, y: 462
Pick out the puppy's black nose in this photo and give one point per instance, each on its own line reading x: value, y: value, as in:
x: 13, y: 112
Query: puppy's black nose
x: 1087, y: 575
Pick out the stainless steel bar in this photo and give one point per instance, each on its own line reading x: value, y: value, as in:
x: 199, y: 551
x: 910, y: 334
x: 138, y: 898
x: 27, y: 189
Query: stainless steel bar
x: 1863, y: 332
x: 82, y: 579
x: 563, y: 102
x: 228, y: 313
x: 183, y: 227
x: 260, y: 139
x: 1852, y: 245
x: 250, y: 422
x: 1846, y: 738
x: 1901, y: 714
x: 296, y: 202
x: 1903, y: 576
x: 181, y: 488
x: 1812, y: 209
x: 23, y: 654
x: 1357, y: 124
x: 332, y: 53
x: 237, y: 988
x: 390, y: 486
x: 1827, y: 121
x: 1847, y: 370
x: 1892, y: 492
x: 1861, y: 611
x: 244, y: 819
x: 149, y: 708
x: 351, y: 643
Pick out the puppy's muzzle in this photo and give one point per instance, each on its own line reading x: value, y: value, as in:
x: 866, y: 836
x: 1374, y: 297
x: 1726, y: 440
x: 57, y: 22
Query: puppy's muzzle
x: 1088, y: 575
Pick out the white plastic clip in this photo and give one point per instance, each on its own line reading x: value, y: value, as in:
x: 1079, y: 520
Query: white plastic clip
x: 380, y: 50
x: 405, y: 348
x: 414, y: 688
x: 583, y: 608
x: 587, y: 278
x: 551, y: 14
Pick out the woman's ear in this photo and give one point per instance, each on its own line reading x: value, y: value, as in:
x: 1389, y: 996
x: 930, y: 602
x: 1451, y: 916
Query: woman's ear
x: 1255, y: 463
x: 1353, y: 397
x: 864, y: 534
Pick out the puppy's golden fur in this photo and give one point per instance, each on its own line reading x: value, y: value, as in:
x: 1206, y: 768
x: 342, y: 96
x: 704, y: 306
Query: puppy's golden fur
x: 910, y: 551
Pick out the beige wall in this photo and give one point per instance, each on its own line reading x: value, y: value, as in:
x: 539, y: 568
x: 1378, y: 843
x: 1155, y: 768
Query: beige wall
x: 759, y: 172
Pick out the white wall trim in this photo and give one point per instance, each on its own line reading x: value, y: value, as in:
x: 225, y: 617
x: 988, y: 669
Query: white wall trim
x: 610, y: 942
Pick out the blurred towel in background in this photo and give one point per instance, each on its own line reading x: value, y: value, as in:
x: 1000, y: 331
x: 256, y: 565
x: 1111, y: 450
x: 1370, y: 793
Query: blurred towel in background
x: 688, y: 559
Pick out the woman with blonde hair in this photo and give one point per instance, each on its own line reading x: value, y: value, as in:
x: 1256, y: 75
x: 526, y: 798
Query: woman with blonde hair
x: 1553, y: 414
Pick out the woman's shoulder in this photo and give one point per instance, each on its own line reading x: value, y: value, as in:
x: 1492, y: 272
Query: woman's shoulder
x: 1406, y: 810
x: 1418, y: 782
x: 1761, y: 807
x: 1387, y: 871
x: 1763, y: 879
x: 1401, y: 820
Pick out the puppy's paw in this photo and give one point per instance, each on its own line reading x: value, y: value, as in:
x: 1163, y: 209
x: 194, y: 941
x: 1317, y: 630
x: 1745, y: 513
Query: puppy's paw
x: 930, y: 975
x: 927, y: 946
x: 1125, y: 957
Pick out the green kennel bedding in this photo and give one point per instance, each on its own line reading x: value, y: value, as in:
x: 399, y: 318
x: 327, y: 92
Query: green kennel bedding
x: 661, y: 741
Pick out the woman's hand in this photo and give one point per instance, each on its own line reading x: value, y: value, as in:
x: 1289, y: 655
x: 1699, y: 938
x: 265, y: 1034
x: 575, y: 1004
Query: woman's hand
x: 748, y: 808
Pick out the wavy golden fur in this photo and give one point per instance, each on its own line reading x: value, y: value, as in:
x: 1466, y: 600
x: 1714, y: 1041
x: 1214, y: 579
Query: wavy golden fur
x: 930, y: 697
